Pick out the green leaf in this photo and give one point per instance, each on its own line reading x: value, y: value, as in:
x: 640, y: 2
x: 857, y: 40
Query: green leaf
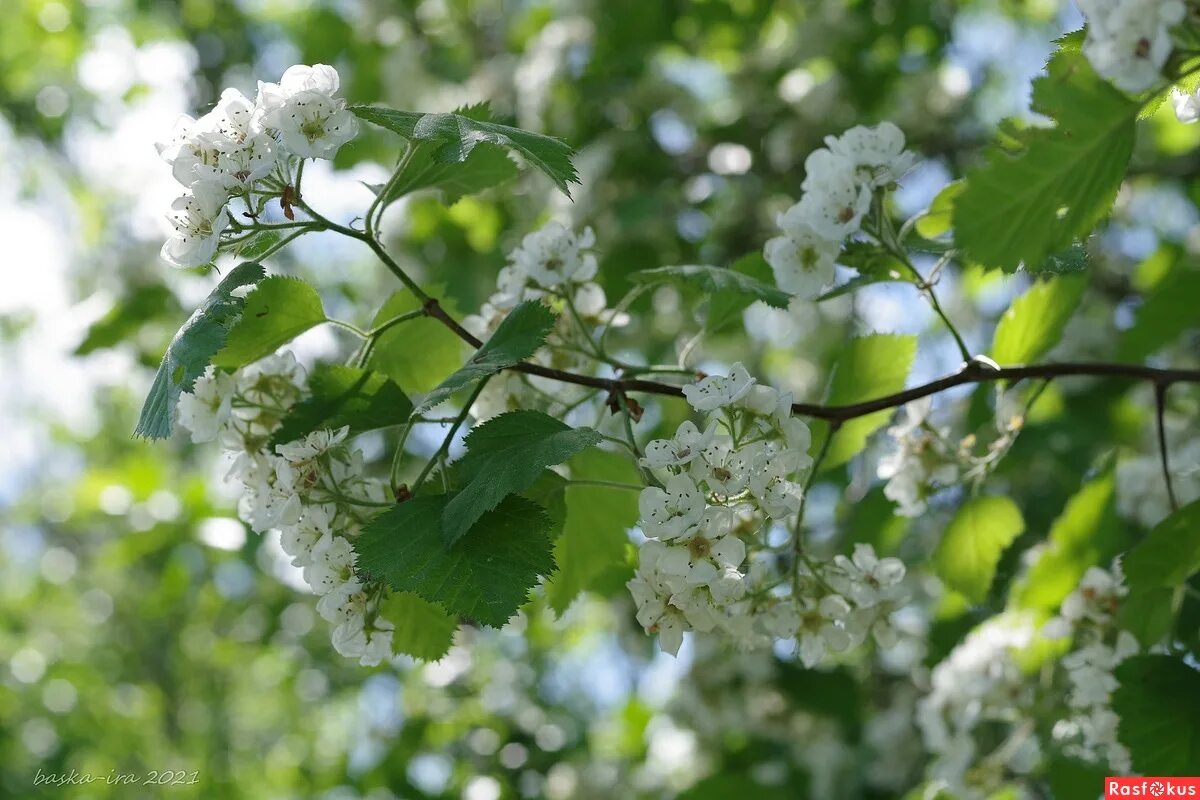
x: 869, y: 367
x: 455, y: 136
x: 485, y: 576
x: 725, y: 308
x: 194, y: 345
x: 1087, y: 533
x: 341, y: 395
x: 1022, y: 208
x: 423, y: 629
x: 1169, y: 311
x: 714, y: 281
x: 1035, y: 321
x: 518, y: 337
x: 419, y: 353
x: 487, y: 166
x: 590, y: 553
x: 1158, y: 702
x: 277, y: 311
x: 260, y: 244
x: 939, y: 218
x: 505, y: 455
x: 971, y: 547
x: 1170, y: 553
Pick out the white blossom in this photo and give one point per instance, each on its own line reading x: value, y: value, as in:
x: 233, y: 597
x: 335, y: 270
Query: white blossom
x: 716, y: 391
x: 555, y: 255
x: 312, y: 124
x: 669, y: 512
x: 209, y: 405
x: 197, y: 220
x: 686, y: 446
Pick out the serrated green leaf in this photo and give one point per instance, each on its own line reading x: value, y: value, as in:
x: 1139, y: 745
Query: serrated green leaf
x: 1170, y: 553
x: 345, y: 396
x: 506, y: 455
x: 714, y: 280
x: 725, y: 308
x: 1158, y: 702
x: 277, y: 311
x: 869, y: 367
x: 939, y: 218
x: 1169, y: 311
x: 423, y: 629
x: 419, y: 353
x: 1086, y: 534
x: 518, y: 337
x: 191, y: 350
x: 487, y: 166
x: 1022, y: 208
x: 485, y: 576
x: 456, y: 135
x: 591, y: 550
x: 973, y: 542
x: 1035, y: 321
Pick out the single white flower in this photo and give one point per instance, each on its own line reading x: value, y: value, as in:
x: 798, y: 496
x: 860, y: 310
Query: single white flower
x: 877, y: 154
x: 555, y: 255
x: 343, y: 603
x: 332, y: 564
x: 867, y: 579
x: 722, y: 469
x: 298, y: 540
x: 835, y: 207
x: 716, y: 391
x: 667, y: 513
x: 312, y: 124
x: 197, y: 220
x: 320, y: 78
x: 701, y: 554
x: 209, y: 405
x: 802, y: 266
x: 312, y: 445
x: 682, y: 449
x: 770, y: 483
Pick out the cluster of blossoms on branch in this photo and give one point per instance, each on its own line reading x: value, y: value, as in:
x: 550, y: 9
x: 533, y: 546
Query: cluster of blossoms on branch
x: 840, y: 183
x: 1128, y: 41
x: 313, y: 490
x: 706, y: 566
x: 554, y: 265
x: 246, y: 149
x: 979, y: 719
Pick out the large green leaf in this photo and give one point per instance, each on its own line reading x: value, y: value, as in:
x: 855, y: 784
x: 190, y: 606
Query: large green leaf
x: 939, y: 218
x: 190, y: 352
x: 1023, y: 207
x: 1158, y: 702
x: 487, y: 166
x: 423, y: 629
x: 277, y: 311
x: 456, y: 135
x: 590, y: 553
x: 1154, y: 571
x: 485, y: 576
x: 715, y: 281
x: 1084, y: 535
x: 1035, y: 321
x: 869, y: 367
x: 505, y: 455
x: 518, y: 337
x: 419, y: 353
x: 973, y: 542
x: 341, y: 395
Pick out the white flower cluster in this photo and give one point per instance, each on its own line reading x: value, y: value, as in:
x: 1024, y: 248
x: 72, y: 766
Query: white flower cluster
x: 312, y: 490
x: 840, y: 181
x: 232, y: 150
x: 1128, y: 41
x: 721, y: 484
x: 556, y: 265
x: 980, y: 682
x: 920, y: 463
x: 1090, y: 732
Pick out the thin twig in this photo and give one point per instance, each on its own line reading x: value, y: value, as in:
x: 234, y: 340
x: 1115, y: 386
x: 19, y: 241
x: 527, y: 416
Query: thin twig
x: 1160, y: 407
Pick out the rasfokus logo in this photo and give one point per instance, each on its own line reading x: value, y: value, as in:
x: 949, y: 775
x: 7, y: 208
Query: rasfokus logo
x: 1151, y: 787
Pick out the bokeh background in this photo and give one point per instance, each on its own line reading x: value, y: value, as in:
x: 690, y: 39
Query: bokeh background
x: 142, y: 628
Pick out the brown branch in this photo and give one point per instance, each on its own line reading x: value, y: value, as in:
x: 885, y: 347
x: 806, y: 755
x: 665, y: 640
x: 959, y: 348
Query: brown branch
x: 972, y: 372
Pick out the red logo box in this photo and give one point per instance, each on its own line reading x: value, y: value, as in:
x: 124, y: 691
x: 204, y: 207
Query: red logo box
x: 1151, y: 787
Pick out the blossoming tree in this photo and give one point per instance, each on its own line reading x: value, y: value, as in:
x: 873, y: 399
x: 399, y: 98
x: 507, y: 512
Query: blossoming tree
x: 555, y: 422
